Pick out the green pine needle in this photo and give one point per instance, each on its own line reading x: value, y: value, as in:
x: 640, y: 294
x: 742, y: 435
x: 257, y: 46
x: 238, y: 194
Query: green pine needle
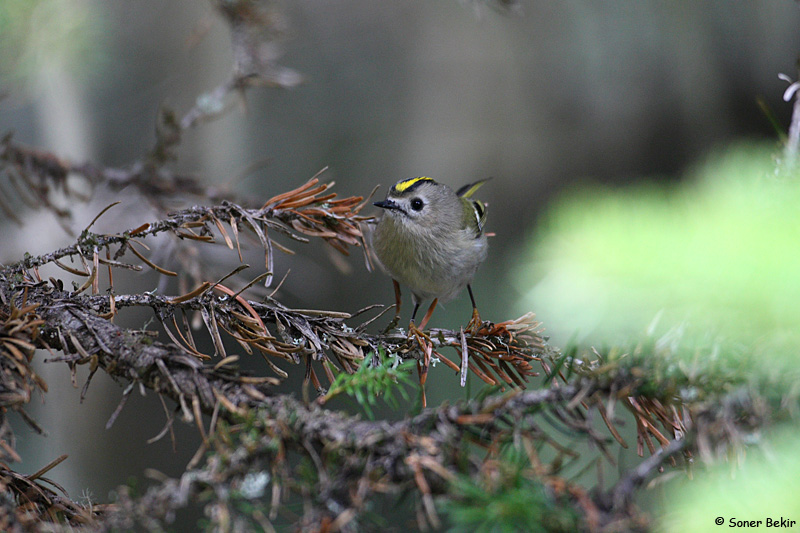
x: 372, y: 381
x: 510, y: 498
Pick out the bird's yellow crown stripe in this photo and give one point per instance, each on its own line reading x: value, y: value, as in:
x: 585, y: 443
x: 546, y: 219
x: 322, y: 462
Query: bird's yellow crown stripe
x: 406, y: 184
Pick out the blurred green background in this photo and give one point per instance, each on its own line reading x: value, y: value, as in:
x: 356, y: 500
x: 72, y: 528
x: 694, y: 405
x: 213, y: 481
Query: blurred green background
x: 716, y: 253
x: 630, y: 159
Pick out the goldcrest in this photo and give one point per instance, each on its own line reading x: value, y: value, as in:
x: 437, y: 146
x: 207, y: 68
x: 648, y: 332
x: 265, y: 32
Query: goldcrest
x: 431, y: 240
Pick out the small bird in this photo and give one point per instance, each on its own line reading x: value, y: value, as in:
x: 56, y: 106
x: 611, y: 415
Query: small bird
x: 431, y: 240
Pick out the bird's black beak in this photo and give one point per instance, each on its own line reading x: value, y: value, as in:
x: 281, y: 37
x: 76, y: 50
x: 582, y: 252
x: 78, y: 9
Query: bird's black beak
x: 387, y: 204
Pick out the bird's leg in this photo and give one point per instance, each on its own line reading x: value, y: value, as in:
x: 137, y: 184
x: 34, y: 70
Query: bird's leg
x: 475, y: 322
x: 413, y: 330
x: 414, y: 312
x: 397, y: 302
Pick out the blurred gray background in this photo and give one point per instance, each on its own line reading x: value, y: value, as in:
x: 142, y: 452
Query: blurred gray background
x: 543, y: 98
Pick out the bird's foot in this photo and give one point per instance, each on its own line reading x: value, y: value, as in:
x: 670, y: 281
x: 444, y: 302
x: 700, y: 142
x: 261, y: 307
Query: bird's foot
x: 475, y: 323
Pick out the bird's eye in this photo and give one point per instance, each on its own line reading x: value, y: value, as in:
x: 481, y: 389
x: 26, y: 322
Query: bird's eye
x: 416, y: 204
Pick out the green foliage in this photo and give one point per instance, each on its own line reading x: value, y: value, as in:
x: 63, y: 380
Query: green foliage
x: 372, y: 381
x: 507, y: 497
x: 764, y: 486
x: 678, y: 370
x: 718, y: 252
x: 709, y: 268
x: 488, y: 390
